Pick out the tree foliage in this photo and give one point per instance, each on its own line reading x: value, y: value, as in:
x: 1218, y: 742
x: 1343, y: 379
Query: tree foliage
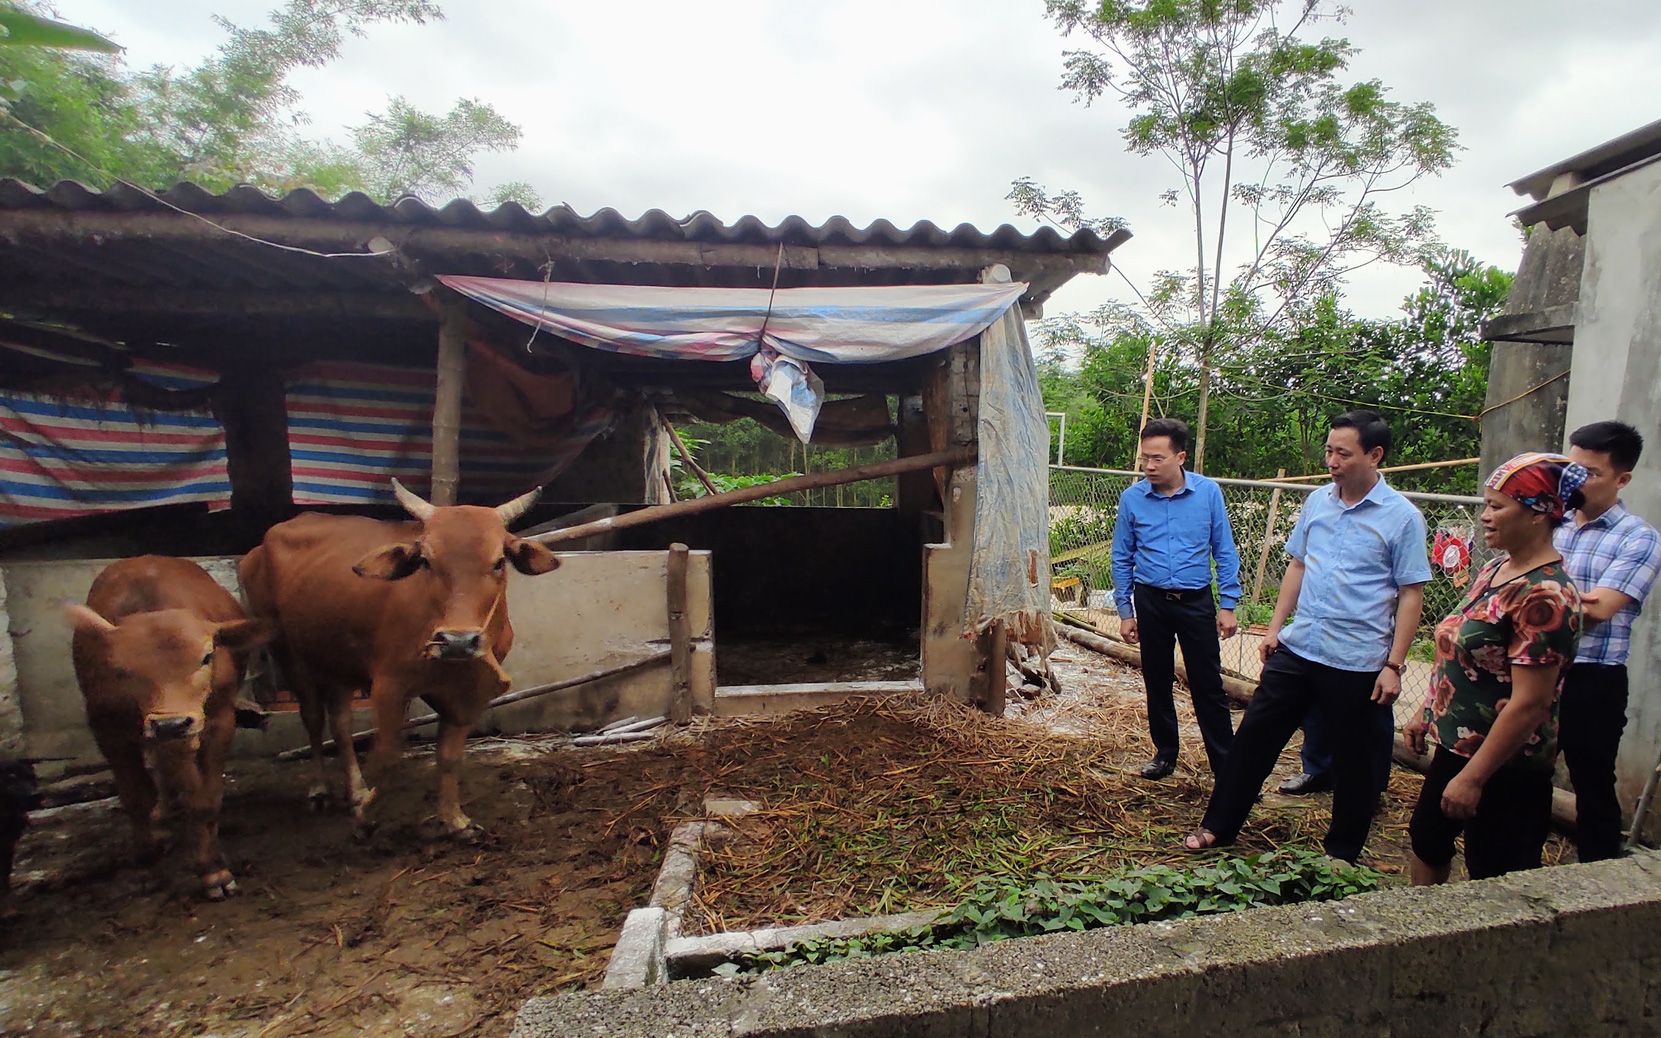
x: 1281, y: 165
x: 1273, y: 398
x: 234, y: 118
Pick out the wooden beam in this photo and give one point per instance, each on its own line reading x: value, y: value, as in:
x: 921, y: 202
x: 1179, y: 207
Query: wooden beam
x: 396, y: 305
x: 251, y: 404
x: 452, y: 377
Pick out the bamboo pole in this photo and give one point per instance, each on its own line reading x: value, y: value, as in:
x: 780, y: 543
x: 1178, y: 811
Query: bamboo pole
x: 1268, y: 534
x: 836, y: 477
x: 1147, y: 400
x: 452, y: 377
x: 1391, y: 468
x: 686, y: 456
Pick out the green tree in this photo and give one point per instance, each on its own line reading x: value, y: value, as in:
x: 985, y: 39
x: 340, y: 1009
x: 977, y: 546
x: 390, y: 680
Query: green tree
x: 1250, y: 115
x: 235, y: 118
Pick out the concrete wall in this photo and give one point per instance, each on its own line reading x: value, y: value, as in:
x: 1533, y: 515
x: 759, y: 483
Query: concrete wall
x: 1617, y: 361
x: 1566, y: 951
x: 599, y: 609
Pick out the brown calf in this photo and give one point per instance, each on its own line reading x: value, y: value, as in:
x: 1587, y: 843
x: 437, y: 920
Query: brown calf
x: 403, y: 609
x: 159, y: 651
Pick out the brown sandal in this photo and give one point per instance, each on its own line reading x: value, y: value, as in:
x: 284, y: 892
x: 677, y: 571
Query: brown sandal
x: 1199, y: 841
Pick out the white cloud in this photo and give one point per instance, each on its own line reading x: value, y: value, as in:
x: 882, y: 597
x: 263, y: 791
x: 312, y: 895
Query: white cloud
x: 924, y: 109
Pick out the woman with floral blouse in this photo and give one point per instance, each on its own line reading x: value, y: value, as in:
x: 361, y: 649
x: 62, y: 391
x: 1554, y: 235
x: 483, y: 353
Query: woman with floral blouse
x: 1500, y: 659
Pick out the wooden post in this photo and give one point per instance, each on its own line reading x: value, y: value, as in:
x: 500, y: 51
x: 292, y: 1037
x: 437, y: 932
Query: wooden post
x: 251, y: 405
x: 988, y: 684
x: 1147, y: 402
x: 452, y: 379
x: 680, y: 635
x: 1268, y: 540
x: 914, y: 492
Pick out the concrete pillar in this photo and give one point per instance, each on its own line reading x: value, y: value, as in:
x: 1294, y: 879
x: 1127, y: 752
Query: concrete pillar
x: 1617, y: 363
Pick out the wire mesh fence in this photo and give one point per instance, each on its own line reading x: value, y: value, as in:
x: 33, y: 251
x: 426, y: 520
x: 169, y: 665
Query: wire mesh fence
x: 1084, y: 504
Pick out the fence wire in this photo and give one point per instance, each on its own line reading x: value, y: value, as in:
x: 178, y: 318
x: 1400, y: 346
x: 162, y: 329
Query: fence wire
x: 1084, y: 504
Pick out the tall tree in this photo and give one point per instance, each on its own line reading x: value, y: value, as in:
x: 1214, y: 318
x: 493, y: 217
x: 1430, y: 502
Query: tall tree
x: 1251, y: 116
x: 235, y: 117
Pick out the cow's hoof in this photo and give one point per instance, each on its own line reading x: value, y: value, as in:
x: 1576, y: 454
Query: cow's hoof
x: 363, y: 828
x: 216, y: 886
x: 318, y: 799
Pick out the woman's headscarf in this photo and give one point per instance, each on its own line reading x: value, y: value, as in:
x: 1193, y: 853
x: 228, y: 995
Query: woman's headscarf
x: 1541, y: 482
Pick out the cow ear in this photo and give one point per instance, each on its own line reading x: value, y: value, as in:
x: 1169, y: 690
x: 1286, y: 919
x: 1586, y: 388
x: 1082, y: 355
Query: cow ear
x: 393, y: 562
x: 243, y: 635
x: 83, y: 619
x: 530, y: 557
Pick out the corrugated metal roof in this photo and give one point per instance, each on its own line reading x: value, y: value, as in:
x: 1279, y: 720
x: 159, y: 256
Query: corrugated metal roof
x: 701, y: 226
x: 199, y: 267
x: 1593, y: 163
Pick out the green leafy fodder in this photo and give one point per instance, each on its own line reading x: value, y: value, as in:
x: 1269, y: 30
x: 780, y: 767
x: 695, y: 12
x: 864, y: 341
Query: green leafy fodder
x: 1000, y: 908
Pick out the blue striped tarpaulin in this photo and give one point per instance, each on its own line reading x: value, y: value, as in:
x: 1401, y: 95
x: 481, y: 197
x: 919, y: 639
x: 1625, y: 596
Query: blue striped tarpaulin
x: 61, y: 458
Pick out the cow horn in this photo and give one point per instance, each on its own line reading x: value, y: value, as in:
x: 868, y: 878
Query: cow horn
x: 517, y: 507
x: 412, y: 502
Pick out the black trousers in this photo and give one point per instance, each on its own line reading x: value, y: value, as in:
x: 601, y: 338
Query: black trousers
x: 1317, y: 752
x: 1509, y: 831
x: 1163, y: 622
x: 1589, y: 726
x: 1288, y: 690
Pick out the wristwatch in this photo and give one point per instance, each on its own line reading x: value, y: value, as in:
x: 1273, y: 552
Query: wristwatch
x: 1393, y: 666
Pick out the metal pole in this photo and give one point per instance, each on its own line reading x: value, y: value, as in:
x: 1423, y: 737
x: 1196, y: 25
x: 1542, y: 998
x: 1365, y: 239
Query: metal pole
x: 1061, y: 440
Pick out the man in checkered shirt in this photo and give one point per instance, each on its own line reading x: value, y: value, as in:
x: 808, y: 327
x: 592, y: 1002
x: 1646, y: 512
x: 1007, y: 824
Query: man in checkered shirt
x: 1613, y: 556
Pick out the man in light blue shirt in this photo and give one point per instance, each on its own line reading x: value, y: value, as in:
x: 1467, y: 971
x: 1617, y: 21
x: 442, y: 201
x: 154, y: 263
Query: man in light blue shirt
x: 1359, y: 566
x: 1170, y: 528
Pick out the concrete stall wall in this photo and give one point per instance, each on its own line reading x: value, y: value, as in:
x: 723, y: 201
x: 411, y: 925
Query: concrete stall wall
x: 598, y: 610
x: 1574, y: 950
x: 1617, y: 364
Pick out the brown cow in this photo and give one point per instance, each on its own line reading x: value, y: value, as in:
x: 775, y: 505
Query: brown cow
x: 159, y: 651
x: 424, y: 615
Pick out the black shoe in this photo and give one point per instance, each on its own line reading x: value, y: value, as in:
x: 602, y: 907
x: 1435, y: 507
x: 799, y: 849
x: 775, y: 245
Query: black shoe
x: 1158, y: 769
x: 1299, y: 785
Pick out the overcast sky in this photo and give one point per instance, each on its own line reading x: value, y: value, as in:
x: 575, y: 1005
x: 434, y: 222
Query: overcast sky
x: 926, y: 109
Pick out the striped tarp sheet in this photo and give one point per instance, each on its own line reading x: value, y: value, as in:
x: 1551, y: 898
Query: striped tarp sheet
x: 61, y: 458
x: 353, y: 427
x: 848, y: 325
x: 790, y: 328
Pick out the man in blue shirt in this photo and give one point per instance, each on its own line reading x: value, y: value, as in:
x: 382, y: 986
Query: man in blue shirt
x: 1359, y: 566
x: 1171, y: 526
x: 1612, y: 555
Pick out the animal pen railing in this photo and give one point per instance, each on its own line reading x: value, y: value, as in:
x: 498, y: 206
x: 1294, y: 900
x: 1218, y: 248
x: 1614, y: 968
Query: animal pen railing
x: 1084, y: 504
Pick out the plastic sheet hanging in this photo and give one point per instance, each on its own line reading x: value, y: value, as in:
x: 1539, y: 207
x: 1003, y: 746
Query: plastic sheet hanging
x: 1009, y: 567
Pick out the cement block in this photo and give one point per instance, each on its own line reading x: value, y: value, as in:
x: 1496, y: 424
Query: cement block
x: 1470, y: 958
x: 637, y: 960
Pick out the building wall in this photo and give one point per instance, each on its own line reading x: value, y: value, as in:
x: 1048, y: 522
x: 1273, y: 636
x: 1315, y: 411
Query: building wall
x: 1617, y: 364
x: 596, y: 611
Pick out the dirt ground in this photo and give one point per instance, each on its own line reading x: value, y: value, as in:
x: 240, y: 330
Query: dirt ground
x: 765, y: 661
x: 402, y: 933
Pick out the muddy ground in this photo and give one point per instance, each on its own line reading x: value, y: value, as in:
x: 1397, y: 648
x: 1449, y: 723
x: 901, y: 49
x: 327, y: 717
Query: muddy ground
x: 402, y: 933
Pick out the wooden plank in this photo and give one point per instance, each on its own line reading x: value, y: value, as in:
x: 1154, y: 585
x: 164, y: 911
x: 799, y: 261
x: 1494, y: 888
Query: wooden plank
x: 394, y: 304
x: 680, y: 635
x: 452, y: 378
x: 1268, y: 541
